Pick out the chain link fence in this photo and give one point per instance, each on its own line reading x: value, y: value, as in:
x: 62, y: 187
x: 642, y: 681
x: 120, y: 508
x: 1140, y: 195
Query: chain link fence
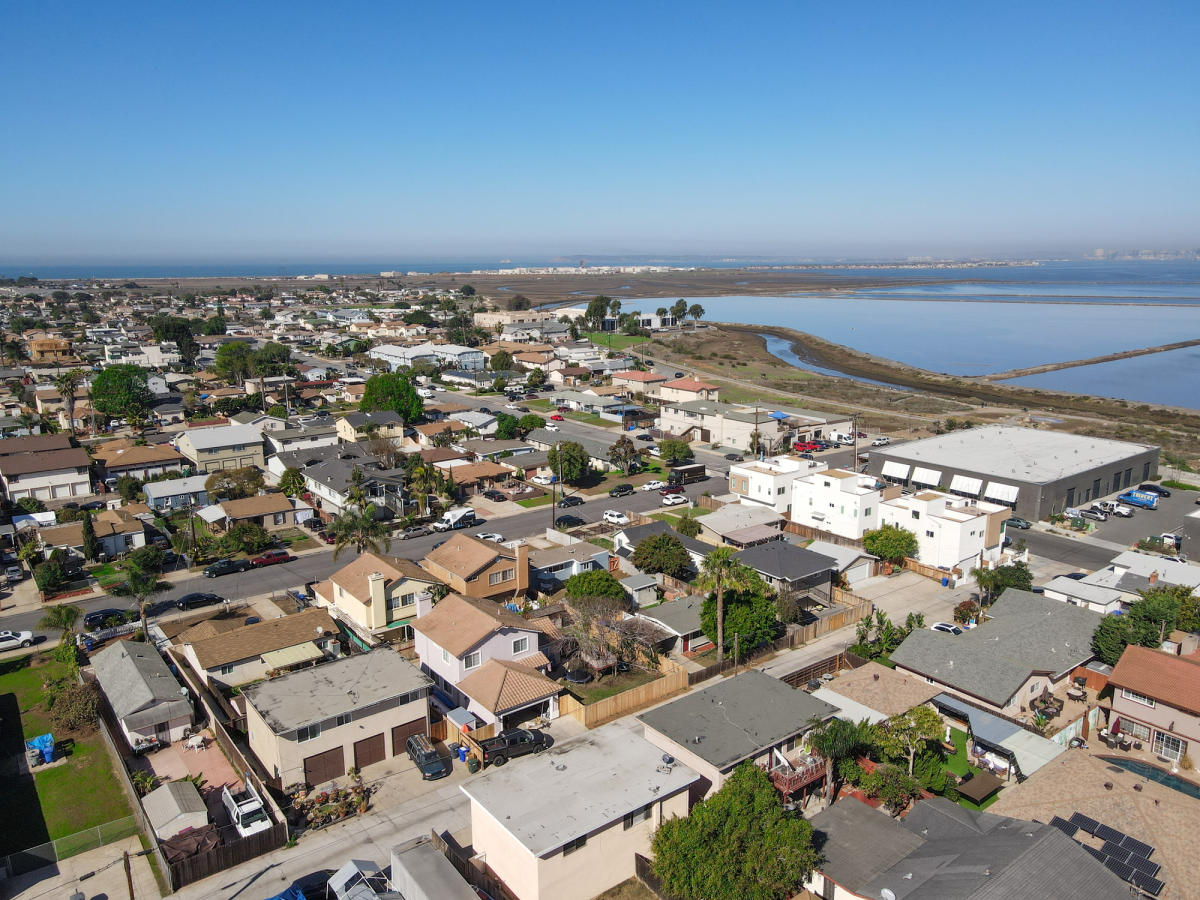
x: 73, y: 844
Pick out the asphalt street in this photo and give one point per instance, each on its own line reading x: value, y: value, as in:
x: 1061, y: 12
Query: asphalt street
x: 1075, y: 552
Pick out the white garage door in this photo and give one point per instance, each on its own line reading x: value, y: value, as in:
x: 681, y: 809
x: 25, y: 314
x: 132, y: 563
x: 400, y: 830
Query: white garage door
x: 858, y: 572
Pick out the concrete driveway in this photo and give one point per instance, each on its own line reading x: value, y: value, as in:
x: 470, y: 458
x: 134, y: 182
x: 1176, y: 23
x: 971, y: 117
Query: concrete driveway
x: 898, y: 595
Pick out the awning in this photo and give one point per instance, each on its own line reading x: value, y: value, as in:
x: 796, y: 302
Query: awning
x: 292, y: 656
x: 893, y: 469
x: 980, y: 786
x: 1005, y: 493
x: 964, y: 485
x: 930, y: 477
x: 1030, y: 751
x: 754, y: 534
x: 211, y: 514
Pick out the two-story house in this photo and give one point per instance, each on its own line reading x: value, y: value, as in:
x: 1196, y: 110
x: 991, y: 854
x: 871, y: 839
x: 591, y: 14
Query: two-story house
x: 117, y: 531
x: 44, y: 466
x: 1156, y: 700
x: 951, y: 531
x: 839, y: 501
x: 486, y: 656
x: 476, y: 568
x: 124, y: 457
x: 362, y: 426
x: 768, y: 482
x: 375, y: 593
x: 222, y: 447
x: 682, y: 390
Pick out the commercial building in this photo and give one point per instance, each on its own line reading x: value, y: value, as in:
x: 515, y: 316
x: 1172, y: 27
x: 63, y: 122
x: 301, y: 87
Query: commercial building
x: 1034, y: 472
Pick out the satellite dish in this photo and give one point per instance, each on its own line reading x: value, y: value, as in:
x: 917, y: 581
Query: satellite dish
x: 887, y: 894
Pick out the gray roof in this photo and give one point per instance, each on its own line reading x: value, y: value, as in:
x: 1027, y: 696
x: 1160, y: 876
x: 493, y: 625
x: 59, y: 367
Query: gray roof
x: 165, y: 804
x: 172, y: 487
x: 298, y: 459
x: 139, y: 686
x: 944, y: 852
x: 1009, y: 453
x: 303, y: 430
x: 576, y: 787
x: 734, y: 517
x: 635, y: 534
x: 219, y: 436
x: 421, y: 872
x: 1025, y: 633
x: 1092, y: 593
x: 379, y: 417
x: 737, y: 718
x: 596, y: 449
x: 784, y: 561
x: 342, y: 686
x: 844, y: 557
x: 638, y: 582
x: 680, y: 616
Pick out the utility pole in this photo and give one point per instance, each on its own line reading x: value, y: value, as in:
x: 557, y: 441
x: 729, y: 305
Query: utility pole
x: 128, y: 875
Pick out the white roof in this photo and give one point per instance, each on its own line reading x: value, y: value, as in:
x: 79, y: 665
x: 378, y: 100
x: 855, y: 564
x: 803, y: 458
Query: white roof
x: 1171, y: 572
x: 213, y: 513
x: 850, y: 710
x: 1083, y: 590
x: 1032, y: 751
x: 193, y: 484
x: 222, y: 436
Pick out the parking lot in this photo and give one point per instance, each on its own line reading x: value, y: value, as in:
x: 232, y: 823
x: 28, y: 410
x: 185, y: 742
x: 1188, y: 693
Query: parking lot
x: 1171, y: 514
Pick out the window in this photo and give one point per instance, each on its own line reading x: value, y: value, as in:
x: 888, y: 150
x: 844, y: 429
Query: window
x: 226, y: 669
x: 571, y: 846
x: 308, y: 733
x: 866, y: 512
x: 638, y: 815
x: 520, y: 645
x: 916, y: 514
x: 1136, y: 730
x: 344, y: 719
x: 472, y: 660
x: 1035, y: 687
x: 502, y: 576
x: 928, y: 534
x: 280, y: 518
x: 1137, y: 698
x: 1168, y: 745
x: 445, y: 655
x: 779, y: 491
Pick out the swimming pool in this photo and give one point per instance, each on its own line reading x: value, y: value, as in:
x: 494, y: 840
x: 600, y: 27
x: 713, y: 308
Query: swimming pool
x: 1154, y: 773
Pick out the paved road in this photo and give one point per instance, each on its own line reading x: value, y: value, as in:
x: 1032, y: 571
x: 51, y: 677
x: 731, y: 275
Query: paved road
x: 1076, y: 552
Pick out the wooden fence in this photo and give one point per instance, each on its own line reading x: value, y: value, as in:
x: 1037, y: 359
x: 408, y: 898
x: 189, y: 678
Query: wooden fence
x: 475, y: 871
x: 441, y: 731
x: 674, y: 679
x: 830, y: 665
x: 933, y: 572
x: 225, y: 856
x: 808, y: 531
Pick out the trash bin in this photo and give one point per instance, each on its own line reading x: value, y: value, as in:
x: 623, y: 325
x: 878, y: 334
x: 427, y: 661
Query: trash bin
x: 472, y: 765
x: 462, y: 754
x: 945, y: 581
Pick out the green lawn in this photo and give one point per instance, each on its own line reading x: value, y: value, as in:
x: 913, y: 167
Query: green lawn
x: 613, y: 340
x: 108, y: 574
x: 609, y: 685
x: 1180, y: 485
x: 78, y: 795
x: 959, y: 766
x: 672, y: 518
x: 295, y: 539
x: 543, y: 500
x: 591, y: 419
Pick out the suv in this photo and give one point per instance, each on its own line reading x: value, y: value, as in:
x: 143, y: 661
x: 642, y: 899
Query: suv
x: 271, y: 558
x: 429, y: 762
x: 621, y: 490
x: 515, y: 742
x: 1154, y: 489
x: 946, y: 627
x: 881, y: 442
x: 97, y: 618
x: 10, y: 640
x: 1018, y: 522
x: 226, y: 567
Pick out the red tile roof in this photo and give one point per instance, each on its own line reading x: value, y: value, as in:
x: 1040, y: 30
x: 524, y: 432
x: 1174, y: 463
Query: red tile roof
x: 1169, y: 679
x: 690, y: 384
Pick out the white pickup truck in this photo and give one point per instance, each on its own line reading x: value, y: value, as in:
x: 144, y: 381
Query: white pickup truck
x: 246, y: 810
x: 1113, y: 508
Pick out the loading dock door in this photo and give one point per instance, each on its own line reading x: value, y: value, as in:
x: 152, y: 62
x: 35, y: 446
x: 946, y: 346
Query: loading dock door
x: 325, y: 767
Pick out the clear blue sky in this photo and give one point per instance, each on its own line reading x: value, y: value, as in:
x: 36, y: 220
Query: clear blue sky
x: 291, y: 131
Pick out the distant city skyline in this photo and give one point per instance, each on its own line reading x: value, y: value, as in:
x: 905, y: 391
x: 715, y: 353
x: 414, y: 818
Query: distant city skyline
x: 299, y: 131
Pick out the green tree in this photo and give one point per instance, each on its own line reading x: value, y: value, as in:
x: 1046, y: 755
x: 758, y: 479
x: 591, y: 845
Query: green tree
x: 278, y: 410
x: 31, y: 505
x: 67, y: 383
x: 994, y: 582
x: 423, y: 479
x: 569, y: 461
x: 508, y: 428
x: 663, y: 553
x: 142, y: 584
x: 121, y: 391
x: 393, y: 391
x: 688, y: 525
x: 91, y: 544
x: 695, y: 313
x: 292, y: 482
x: 891, y: 543
x: 739, y: 844
x: 501, y: 361
x: 214, y: 326
x: 719, y: 573
x: 63, y: 619
x: 838, y: 739
x: 467, y: 291
x: 529, y: 422
x: 596, y: 583
x: 673, y: 450
x: 535, y: 379
x: 679, y: 309
x: 248, y: 537
x: 234, y: 361
x: 751, y: 620
x: 358, y: 529
x: 499, y: 384
x: 1148, y: 621
x: 234, y: 484
x: 909, y: 733
x: 179, y: 330
x: 597, y: 309
x: 624, y: 455
x: 271, y: 359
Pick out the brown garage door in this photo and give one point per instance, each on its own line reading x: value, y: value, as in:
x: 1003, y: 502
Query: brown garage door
x: 401, y: 733
x: 325, y: 766
x: 369, y: 750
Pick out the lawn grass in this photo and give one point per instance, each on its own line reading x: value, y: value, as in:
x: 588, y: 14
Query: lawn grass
x: 1180, y: 485
x: 540, y: 403
x: 108, y: 574
x: 603, y: 542
x: 958, y: 762
x: 295, y: 539
x: 614, y: 341
x: 590, y: 419
x: 543, y: 500
x: 672, y: 518
x: 610, y: 685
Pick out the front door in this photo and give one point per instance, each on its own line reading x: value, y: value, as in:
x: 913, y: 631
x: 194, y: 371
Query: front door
x: 162, y: 732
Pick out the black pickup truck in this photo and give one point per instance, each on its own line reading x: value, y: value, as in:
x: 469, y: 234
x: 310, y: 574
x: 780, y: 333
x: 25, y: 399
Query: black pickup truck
x: 515, y: 742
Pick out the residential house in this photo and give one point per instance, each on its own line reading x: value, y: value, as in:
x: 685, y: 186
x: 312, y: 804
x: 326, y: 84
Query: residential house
x: 939, y: 849
x: 303, y: 436
x: 481, y: 423
x: 44, y: 351
x: 741, y: 526
x: 159, y: 355
x: 568, y: 823
x: 681, y: 620
x: 606, y: 407
x: 840, y: 501
x: 1097, y: 598
x: 226, y: 658
x: 222, y: 447
x: 149, y: 704
x: 329, y: 482
x: 117, y: 531
x: 453, y: 356
x: 875, y: 692
x: 552, y: 566
x: 569, y: 376
x: 492, y: 449
x: 44, y: 466
x: 627, y: 539
x: 312, y: 725
x: 1027, y: 645
x: 124, y: 457
x: 952, y: 531
x: 596, y: 448
x: 262, y: 421
x: 751, y: 717
x: 476, y: 568
x: 427, y: 434
x: 768, y: 482
x: 272, y: 511
x: 853, y: 565
x: 376, y: 593
x: 685, y: 390
x: 1156, y: 700
x: 176, y: 493
x: 491, y: 318
x: 362, y: 426
x: 715, y: 422
x: 635, y: 382
x: 788, y: 569
x: 486, y: 657
x: 473, y: 478
x: 1131, y: 572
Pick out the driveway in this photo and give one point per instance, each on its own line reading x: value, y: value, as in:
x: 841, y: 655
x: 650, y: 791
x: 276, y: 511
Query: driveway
x: 1076, y: 552
x: 898, y: 595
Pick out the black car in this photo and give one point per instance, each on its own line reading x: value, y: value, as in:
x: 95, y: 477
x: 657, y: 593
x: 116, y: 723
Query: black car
x: 484, y: 409
x: 621, y: 490
x: 198, y: 599
x: 430, y: 763
x: 644, y: 437
x: 495, y: 496
x: 315, y: 885
x: 99, y: 617
x: 572, y: 500
x: 735, y: 457
x: 415, y: 531
x: 568, y: 522
x: 226, y: 567
x: 1154, y: 489
x: 678, y: 374
x: 93, y: 504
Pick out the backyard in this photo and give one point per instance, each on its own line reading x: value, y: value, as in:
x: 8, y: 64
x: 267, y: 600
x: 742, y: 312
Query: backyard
x: 613, y: 341
x: 958, y: 764
x: 608, y: 685
x: 77, y: 795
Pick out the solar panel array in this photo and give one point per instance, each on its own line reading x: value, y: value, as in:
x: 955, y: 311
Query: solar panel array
x: 1124, y: 856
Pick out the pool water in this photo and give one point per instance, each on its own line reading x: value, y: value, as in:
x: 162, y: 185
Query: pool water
x: 1154, y: 773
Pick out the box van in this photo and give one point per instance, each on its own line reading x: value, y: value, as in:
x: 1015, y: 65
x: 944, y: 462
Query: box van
x: 461, y: 517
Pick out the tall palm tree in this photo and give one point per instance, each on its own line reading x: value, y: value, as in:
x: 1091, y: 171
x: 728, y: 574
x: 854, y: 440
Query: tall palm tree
x: 358, y: 529
x: 695, y: 313
x: 835, y: 740
x: 61, y: 619
x: 67, y: 383
x: 356, y: 495
x: 719, y: 573
x: 423, y: 479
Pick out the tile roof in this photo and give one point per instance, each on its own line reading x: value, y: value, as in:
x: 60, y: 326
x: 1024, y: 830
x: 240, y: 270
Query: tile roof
x: 248, y: 641
x: 1173, y: 680
x: 457, y: 623
x: 689, y: 384
x: 353, y: 577
x: 645, y: 377
x: 502, y: 685
x: 465, y: 555
x: 260, y: 505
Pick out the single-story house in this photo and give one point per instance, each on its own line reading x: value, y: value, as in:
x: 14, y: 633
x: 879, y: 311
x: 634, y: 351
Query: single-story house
x: 786, y: 567
x: 853, y: 564
x: 147, y: 700
x: 248, y: 653
x: 117, y: 531
x: 741, y: 526
x: 176, y: 493
x: 681, y: 619
x: 271, y: 511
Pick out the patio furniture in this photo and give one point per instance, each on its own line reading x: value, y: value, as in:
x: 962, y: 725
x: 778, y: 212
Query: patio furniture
x: 1077, y: 694
x: 1126, y: 744
x: 196, y: 742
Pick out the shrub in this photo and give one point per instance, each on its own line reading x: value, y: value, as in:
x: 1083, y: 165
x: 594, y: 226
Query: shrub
x: 73, y: 706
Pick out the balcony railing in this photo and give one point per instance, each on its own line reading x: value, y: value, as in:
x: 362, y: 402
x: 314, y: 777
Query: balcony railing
x: 789, y: 779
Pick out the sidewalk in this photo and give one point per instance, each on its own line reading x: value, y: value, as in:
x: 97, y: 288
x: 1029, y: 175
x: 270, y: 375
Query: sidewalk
x: 96, y: 874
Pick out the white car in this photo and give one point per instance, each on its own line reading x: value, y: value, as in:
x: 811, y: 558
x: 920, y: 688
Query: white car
x: 653, y: 450
x: 511, y: 406
x: 612, y: 517
x: 542, y: 479
x: 654, y: 485
x: 946, y: 627
x: 490, y: 536
x: 881, y: 442
x: 10, y: 640
x: 674, y: 500
x: 550, y: 426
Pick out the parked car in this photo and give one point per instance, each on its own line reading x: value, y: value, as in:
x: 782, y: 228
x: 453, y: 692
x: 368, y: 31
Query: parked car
x: 14, y: 573
x: 511, y: 406
x: 271, y: 558
x: 653, y: 450
x: 806, y: 455
x: 1152, y: 488
x: 678, y: 374
x: 644, y: 437
x: 226, y: 567
x: 1018, y: 522
x: 541, y: 479
x: 96, y: 618
x: 735, y: 457
x: 614, y: 517
x: 429, y: 762
x: 92, y: 505
x: 493, y: 536
x: 621, y: 490
x: 564, y: 409
x: 512, y: 743
x: 947, y: 627
x: 881, y: 442
x: 10, y: 640
x: 1093, y: 514
x: 805, y: 446
x: 671, y: 489
x: 568, y: 522
x: 198, y: 599
x: 557, y: 418
x: 414, y: 531
x: 653, y: 485
x: 495, y: 496
x: 570, y: 500
x: 550, y: 426
x: 674, y: 500
x: 325, y: 537
x: 861, y: 435
x: 1076, y: 576
x: 1113, y: 508
x: 484, y: 409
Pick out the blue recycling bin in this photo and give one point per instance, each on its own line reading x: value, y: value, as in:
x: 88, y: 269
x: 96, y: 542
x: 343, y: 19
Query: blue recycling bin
x: 945, y: 581
x: 462, y: 754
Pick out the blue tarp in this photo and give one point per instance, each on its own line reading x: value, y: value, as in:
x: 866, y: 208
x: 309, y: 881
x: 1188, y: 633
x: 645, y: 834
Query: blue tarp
x: 44, y: 744
x: 292, y: 893
x: 777, y: 415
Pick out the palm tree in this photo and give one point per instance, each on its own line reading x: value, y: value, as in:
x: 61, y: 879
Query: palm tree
x: 662, y: 312
x: 61, y: 619
x: 695, y: 313
x: 835, y: 740
x: 356, y: 495
x: 423, y: 479
x: 67, y: 383
x: 988, y: 581
x: 359, y: 529
x: 719, y: 573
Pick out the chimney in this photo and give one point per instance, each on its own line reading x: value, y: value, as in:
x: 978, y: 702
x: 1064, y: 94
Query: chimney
x: 1153, y: 579
x: 377, y: 599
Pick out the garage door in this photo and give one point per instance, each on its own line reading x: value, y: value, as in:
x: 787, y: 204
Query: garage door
x: 325, y: 767
x: 857, y: 573
x: 402, y: 733
x: 369, y: 750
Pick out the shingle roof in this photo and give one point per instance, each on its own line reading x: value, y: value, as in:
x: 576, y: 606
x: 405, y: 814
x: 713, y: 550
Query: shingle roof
x: 222, y: 436
x: 353, y: 577
x: 1173, y: 680
x: 501, y: 685
x: 34, y: 443
x: 465, y: 555
x: 47, y: 461
x: 457, y: 623
x: 882, y: 689
x: 249, y: 641
x: 134, y: 678
x: 779, y: 559
x: 681, y: 616
x: 261, y: 505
